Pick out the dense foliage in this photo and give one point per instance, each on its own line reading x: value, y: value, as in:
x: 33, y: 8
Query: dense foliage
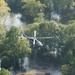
x: 50, y: 18
x: 62, y: 41
x: 14, y: 46
x: 5, y: 72
x: 30, y: 8
x: 3, y: 8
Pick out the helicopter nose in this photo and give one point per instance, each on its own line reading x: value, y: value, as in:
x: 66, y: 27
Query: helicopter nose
x: 39, y: 43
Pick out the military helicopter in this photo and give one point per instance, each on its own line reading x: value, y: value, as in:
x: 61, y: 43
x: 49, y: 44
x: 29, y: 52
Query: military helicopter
x: 35, y: 40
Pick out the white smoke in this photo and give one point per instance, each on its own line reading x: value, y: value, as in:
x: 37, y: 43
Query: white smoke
x: 55, y: 16
x: 56, y: 72
x: 14, y: 20
x: 26, y: 63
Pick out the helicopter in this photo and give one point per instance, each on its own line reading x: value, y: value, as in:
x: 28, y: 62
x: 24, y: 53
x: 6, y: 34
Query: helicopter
x: 35, y: 40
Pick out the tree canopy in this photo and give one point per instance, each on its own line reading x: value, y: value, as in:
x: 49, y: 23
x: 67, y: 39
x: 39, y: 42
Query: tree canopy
x: 14, y: 46
x: 3, y: 8
x: 50, y: 18
x: 5, y: 72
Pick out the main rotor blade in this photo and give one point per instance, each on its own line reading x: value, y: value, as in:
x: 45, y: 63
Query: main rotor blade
x: 43, y: 37
x: 34, y: 38
x: 35, y: 34
x: 33, y: 41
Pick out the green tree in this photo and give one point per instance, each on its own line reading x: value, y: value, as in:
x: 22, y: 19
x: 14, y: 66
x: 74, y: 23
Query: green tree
x: 69, y: 46
x: 3, y: 8
x: 62, y: 7
x: 31, y: 8
x: 15, y: 5
x: 5, y: 72
x: 65, y: 7
x: 68, y: 52
x: 65, y: 69
x: 48, y: 9
x: 30, y: 5
x: 68, y: 69
x: 2, y: 33
x: 2, y: 36
x: 39, y: 18
x: 4, y: 11
x: 4, y: 62
x: 14, y: 46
